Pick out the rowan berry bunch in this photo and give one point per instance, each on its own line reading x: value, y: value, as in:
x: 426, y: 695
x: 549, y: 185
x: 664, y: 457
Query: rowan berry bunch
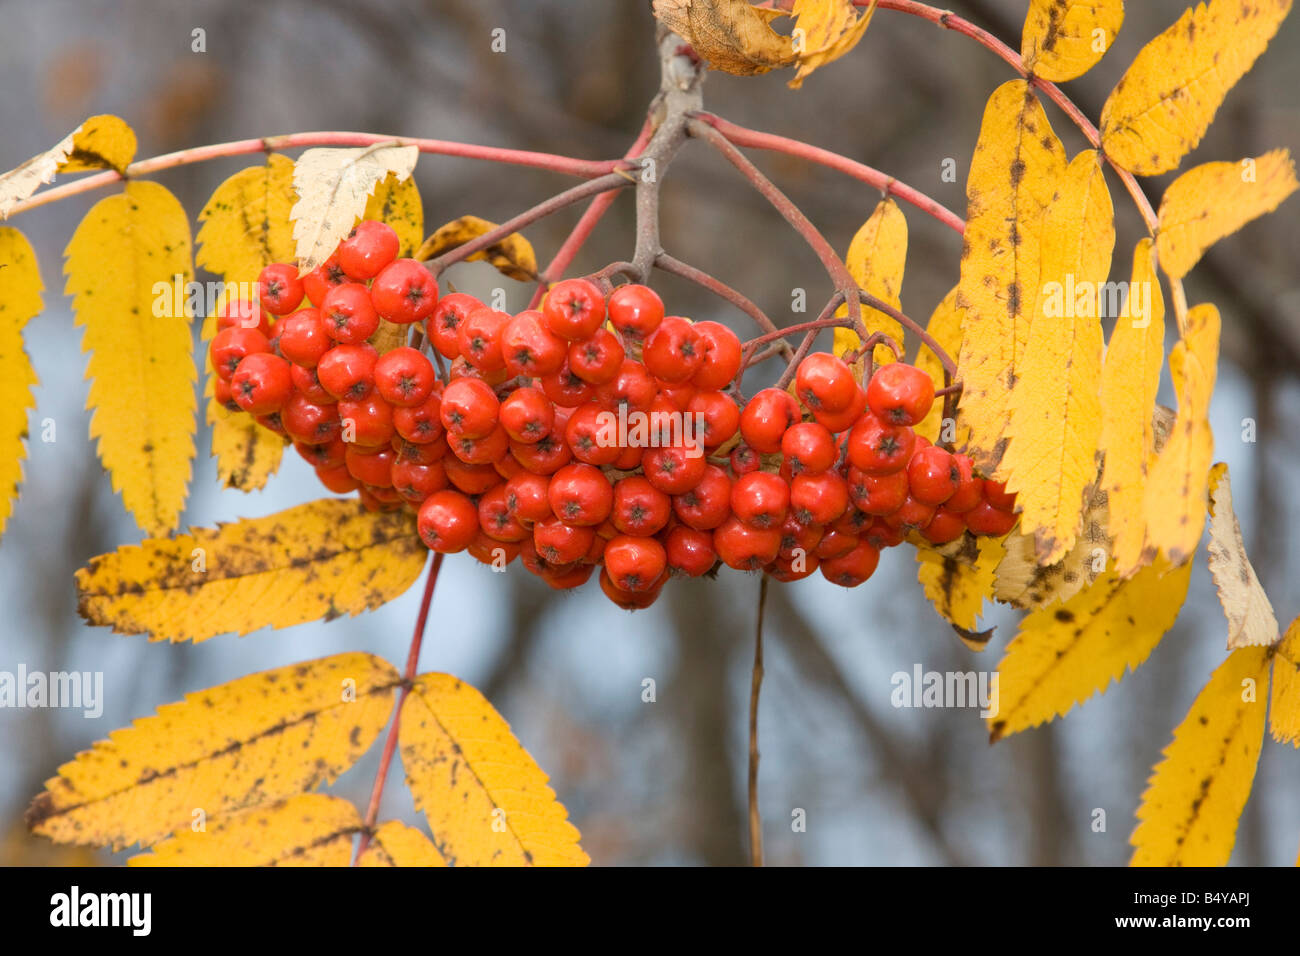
x: 594, y: 433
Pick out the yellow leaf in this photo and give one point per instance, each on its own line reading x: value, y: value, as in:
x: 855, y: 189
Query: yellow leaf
x: 1055, y: 405
x: 945, y: 328
x: 1190, y: 810
x: 1284, y: 710
x: 513, y: 256
x: 334, y: 188
x: 397, y: 202
x: 1064, y: 655
x: 308, y: 830
x: 1016, y: 170
x: 731, y: 35
x: 956, y: 589
x: 142, y: 364
x: 244, y: 228
x: 1060, y: 40
x: 102, y: 142
x: 1214, y: 200
x: 1251, y: 621
x: 1163, y: 105
x: 1174, y: 502
x: 23, y: 180
x: 876, y: 258
x: 486, y: 800
x: 242, y: 744
x: 20, y: 300
x: 1024, y: 583
x: 827, y: 29
x: 319, y: 560
x: 1130, y: 378
x: 396, y: 844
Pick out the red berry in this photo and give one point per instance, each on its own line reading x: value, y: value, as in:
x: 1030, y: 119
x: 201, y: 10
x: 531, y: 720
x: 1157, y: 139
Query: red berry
x: 366, y: 421
x: 308, y: 422
x: 230, y: 347
x: 324, y: 277
x: 243, y: 314
x: 744, y: 547
x: 760, y: 499
x: 471, y: 479
x: 447, y: 522
x: 911, y: 514
x: 988, y: 520
x: 445, y: 321
x: 674, y: 351
x: 633, y: 386
x: 598, y: 358
x: 690, y: 551
x: 495, y: 519
x: 469, y: 408
x: 261, y: 384
x: 337, y: 479
x: 588, y: 435
x: 708, y: 504
x: 635, y: 310
x: 527, y: 415
x: 404, y: 377
x: 798, y: 538
x: 808, y: 447
x: 527, y: 498
x: 629, y: 600
x: 415, y: 482
x: 349, y: 317
x: 404, y: 292
x: 418, y: 453
x: 306, y: 382
x: 744, y: 460
x: 560, y: 543
x: 900, y: 394
x: 639, y: 507
x: 635, y: 563
x: 842, y: 421
x: 880, y: 535
x: 329, y: 454
x: 818, y: 498
x: 825, y: 383
x: 420, y: 424
x: 529, y: 347
x: 852, y: 569
x: 367, y: 249
x: 544, y: 457
x: 348, y: 371
x: 279, y: 289
x: 879, y: 449
x: 970, y: 487
x: 835, y: 544
x: 944, y: 527
x: 766, y: 418
x: 878, y: 494
x: 674, y: 471
x: 490, y: 448
x: 580, y: 494
x: 717, y: 416
x: 997, y: 495
x: 722, y: 354
x: 371, y: 467
x: 932, y: 475
x: 479, y: 338
x: 303, y: 339
x: 574, y: 309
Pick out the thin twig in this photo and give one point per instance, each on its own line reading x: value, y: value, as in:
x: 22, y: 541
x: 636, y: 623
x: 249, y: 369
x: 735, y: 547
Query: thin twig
x: 949, y: 366
x: 408, y: 677
x: 756, y: 684
x: 701, y: 278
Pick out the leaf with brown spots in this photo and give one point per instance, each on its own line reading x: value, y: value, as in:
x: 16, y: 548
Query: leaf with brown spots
x: 486, y: 799
x: 313, y: 829
x: 397, y: 203
x: 396, y: 844
x: 958, y: 590
x: 1284, y: 710
x: 1251, y: 622
x: 102, y: 142
x: 20, y: 300
x: 319, y: 560
x: 1014, y: 179
x: 1167, y: 99
x: 828, y: 30
x: 244, y: 227
x: 512, y: 256
x: 1024, y: 583
x: 252, y: 741
x: 141, y: 367
x: 1063, y: 655
x: 1214, y: 200
x: 731, y: 35
x: 1190, y: 810
x: 1060, y: 39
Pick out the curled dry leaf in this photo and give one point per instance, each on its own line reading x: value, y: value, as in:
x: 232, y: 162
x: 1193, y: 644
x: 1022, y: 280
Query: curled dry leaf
x: 334, y: 186
x: 512, y: 256
x: 1251, y: 621
x: 21, y: 181
x: 731, y: 35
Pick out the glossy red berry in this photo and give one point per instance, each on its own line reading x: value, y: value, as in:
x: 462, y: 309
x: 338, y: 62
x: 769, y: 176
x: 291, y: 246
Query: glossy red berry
x: 635, y: 563
x: 479, y: 338
x: 674, y: 470
x: 970, y: 487
x: 368, y: 248
x: 997, y: 495
x: 324, y: 277
x: 689, y: 551
x: 878, y: 448
x: 420, y: 424
x: 708, y: 504
x: 825, y: 383
x: 348, y: 371
x: 760, y: 499
x: 932, y: 475
x: 261, y: 384
x: 529, y: 347
x: 230, y: 347
x: 302, y: 337
x: 818, y: 498
x: 372, y: 467
x: 944, y: 527
x: 878, y: 494
x: 844, y: 420
x: 766, y: 417
x: 415, y: 482
x: 495, y: 519
x: 404, y: 292
x: 243, y: 314
x: 348, y: 315
x: 469, y: 408
x: 305, y: 421
x: 633, y: 386
x: 722, y: 354
x: 985, y: 519
x: 900, y: 394
x: 590, y: 437
x: 580, y: 494
x: 404, y: 377
x: 337, y: 479
x: 745, y: 547
x: 639, y: 507
x: 597, y: 358
x: 366, y: 421
x: 852, y: 569
x: 635, y: 310
x: 674, y: 351
x: 444, y: 322
x: 447, y: 522
x: 574, y: 309
x: 527, y: 497
x: 279, y: 289
x: 527, y: 415
x: 808, y: 447
x: 716, y: 417
x: 306, y: 381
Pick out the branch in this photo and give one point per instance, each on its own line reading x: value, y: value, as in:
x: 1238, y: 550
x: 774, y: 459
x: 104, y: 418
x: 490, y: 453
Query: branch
x: 835, y: 268
x: 199, y: 154
x: 408, y: 677
x: 609, y: 181
x: 755, y: 685
x: 701, y: 278
x: 887, y: 184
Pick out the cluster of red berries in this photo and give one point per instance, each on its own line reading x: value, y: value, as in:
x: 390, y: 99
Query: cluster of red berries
x: 525, y: 449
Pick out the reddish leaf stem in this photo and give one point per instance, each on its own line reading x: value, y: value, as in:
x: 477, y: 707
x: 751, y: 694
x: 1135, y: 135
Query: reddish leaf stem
x: 408, y: 677
x: 558, y: 164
